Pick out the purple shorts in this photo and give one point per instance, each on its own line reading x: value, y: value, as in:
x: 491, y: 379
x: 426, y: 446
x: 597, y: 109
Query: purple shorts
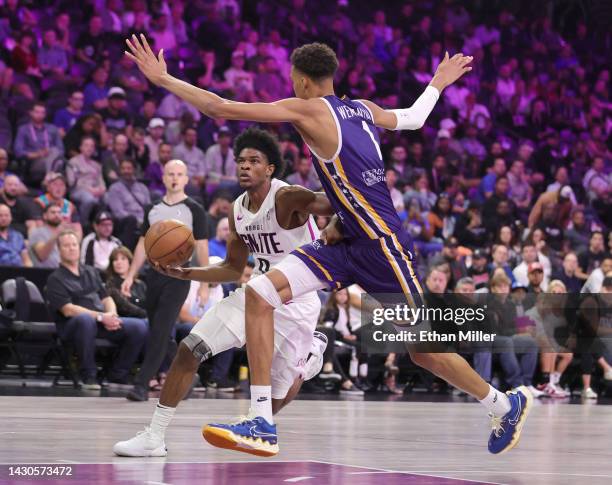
x: 379, y: 266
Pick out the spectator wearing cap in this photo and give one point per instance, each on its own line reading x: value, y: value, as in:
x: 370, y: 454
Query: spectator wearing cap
x: 239, y: 80
x: 84, y: 177
x: 155, y: 137
x: 188, y: 151
x: 450, y: 255
x: 98, y: 245
x: 442, y: 147
x: 479, y: 271
x: 55, y: 193
x: 562, y: 198
x: 115, y: 116
x: 530, y: 254
x: 39, y: 143
x: 127, y: 199
x: 13, y: 251
x: 65, y: 118
x: 220, y: 162
x: 535, y: 275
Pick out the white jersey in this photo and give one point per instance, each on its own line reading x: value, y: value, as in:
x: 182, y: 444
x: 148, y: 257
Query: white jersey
x: 266, y: 239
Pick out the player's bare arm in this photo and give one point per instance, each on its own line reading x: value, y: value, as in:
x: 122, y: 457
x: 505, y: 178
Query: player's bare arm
x: 228, y: 271
x: 292, y: 110
x: 294, y: 204
x: 413, y: 118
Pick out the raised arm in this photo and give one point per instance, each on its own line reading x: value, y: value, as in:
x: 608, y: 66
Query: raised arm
x: 413, y: 118
x: 292, y: 110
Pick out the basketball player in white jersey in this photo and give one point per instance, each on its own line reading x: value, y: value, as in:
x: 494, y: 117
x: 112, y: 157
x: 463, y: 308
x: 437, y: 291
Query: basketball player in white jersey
x: 269, y: 220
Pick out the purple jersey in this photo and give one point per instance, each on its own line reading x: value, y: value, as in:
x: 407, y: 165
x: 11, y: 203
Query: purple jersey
x: 354, y: 178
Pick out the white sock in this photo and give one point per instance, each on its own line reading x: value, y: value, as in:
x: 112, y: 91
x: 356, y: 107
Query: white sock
x: 363, y: 370
x: 496, y: 402
x: 555, y: 377
x: 261, y: 402
x: 161, y: 419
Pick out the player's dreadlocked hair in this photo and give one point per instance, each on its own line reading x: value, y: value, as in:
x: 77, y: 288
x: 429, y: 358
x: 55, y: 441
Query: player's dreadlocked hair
x: 316, y: 60
x: 263, y: 141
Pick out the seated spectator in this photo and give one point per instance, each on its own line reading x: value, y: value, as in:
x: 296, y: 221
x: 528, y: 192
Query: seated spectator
x: 84, y: 311
x: 127, y: 76
x: 96, y: 92
x: 550, y: 226
x: 535, y: 275
x: 421, y: 192
x: 594, y: 255
x: 43, y: 239
x: 518, y: 352
x: 520, y: 190
x: 139, y: 151
x: 470, y: 231
x: 52, y: 60
x: 221, y: 169
x: 548, y: 315
x: 567, y: 274
x: 13, y: 251
x: 489, y: 208
x: 441, y: 218
x: 305, y: 176
x: 155, y: 137
x: 219, y: 208
x: 155, y: 171
x: 111, y: 159
x: 450, y: 256
x: 65, y: 118
x: 118, y: 266
x: 115, y: 116
x: 55, y: 185
x: 218, y: 245
x: 479, y: 271
x: 596, y: 181
x: 23, y: 56
x: 507, y: 235
x: 419, y: 229
x: 127, y: 199
x: 39, y: 143
x: 529, y: 254
x: 595, y: 279
x: 487, y: 184
x: 172, y: 108
x: 23, y: 212
x: 578, y: 231
x: 188, y: 151
x: 98, y: 245
x: 92, y: 46
x: 238, y: 79
x: 87, y: 125
x: 499, y: 256
x: 84, y: 176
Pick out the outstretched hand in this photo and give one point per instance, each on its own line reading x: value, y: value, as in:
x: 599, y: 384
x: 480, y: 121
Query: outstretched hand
x: 154, y: 68
x: 451, y: 69
x: 172, y: 271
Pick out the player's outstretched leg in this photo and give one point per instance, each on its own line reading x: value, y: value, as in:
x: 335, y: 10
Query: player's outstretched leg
x: 508, y: 412
x: 150, y: 442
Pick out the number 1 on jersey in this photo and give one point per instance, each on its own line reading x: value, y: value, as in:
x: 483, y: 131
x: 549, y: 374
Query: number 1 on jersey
x: 367, y: 129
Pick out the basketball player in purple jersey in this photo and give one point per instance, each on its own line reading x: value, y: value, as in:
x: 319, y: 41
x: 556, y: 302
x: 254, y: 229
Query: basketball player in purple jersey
x: 376, y: 252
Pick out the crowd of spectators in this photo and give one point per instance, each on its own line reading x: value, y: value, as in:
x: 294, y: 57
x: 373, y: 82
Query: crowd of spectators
x: 511, y: 171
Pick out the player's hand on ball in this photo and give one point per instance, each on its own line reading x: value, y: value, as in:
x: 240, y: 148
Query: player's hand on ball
x: 451, y: 69
x: 154, y: 68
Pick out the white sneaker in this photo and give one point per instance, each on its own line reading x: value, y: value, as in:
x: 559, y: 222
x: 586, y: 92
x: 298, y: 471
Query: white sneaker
x: 314, y: 364
x: 608, y: 375
x: 560, y: 391
x: 589, y: 393
x: 145, y: 443
x: 536, y: 392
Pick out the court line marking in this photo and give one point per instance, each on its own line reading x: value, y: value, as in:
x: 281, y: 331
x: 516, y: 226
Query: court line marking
x: 297, y: 479
x: 383, y: 470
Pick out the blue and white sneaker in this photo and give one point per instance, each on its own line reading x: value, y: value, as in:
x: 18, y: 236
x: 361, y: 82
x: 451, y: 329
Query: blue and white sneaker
x: 249, y: 434
x: 507, y: 429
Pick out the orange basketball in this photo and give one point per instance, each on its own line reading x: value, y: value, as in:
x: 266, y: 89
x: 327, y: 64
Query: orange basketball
x: 169, y: 243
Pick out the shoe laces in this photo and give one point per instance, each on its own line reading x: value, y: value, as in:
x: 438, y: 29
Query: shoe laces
x: 497, y: 424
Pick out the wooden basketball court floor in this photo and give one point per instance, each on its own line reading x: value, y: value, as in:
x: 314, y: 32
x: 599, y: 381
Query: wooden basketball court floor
x: 322, y: 442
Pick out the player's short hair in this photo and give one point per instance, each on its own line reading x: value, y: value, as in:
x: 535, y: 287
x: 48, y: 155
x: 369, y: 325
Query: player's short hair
x: 263, y: 141
x: 318, y: 61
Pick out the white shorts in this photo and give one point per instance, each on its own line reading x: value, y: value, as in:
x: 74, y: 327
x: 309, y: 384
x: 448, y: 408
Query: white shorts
x: 223, y: 327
